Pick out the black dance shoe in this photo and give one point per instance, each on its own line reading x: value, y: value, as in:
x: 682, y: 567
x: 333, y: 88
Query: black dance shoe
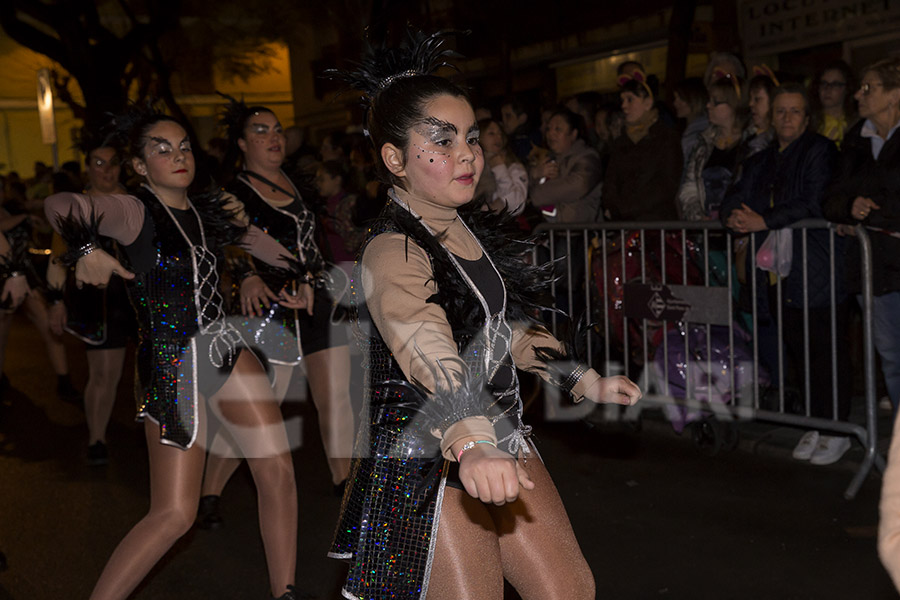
x: 208, y: 516
x: 293, y: 593
x: 339, y: 488
x: 67, y: 392
x: 97, y: 455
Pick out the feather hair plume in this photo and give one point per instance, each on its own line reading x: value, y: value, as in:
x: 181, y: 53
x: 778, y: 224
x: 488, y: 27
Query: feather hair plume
x: 418, y: 54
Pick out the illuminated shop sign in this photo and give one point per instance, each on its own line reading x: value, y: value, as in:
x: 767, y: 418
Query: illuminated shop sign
x: 772, y: 26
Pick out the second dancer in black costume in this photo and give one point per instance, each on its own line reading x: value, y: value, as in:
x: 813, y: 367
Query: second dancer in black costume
x: 190, y: 360
x: 103, y: 319
x: 289, y: 338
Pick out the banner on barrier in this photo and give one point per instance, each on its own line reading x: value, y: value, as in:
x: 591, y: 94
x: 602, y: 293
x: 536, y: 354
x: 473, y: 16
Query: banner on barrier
x: 691, y: 303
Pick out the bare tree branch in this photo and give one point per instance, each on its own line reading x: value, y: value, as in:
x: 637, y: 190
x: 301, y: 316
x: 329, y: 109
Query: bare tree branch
x: 28, y: 35
x: 61, y: 85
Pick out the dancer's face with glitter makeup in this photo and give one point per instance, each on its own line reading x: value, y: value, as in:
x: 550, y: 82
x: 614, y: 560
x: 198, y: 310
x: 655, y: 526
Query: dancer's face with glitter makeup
x: 443, y: 160
x: 167, y: 161
x: 263, y: 142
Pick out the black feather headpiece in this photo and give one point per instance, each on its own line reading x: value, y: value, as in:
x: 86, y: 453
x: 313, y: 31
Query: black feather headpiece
x: 124, y: 130
x: 418, y: 54
x: 234, y: 116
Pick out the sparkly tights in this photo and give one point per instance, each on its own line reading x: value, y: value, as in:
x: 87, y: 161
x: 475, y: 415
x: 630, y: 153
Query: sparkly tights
x: 529, y: 542
x: 246, y: 405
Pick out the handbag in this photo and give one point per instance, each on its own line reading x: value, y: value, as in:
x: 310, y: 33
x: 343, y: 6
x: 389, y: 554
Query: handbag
x: 776, y: 252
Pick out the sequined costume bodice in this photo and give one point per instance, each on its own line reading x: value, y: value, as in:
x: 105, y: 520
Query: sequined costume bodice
x: 277, y: 332
x: 293, y: 226
x: 179, y: 311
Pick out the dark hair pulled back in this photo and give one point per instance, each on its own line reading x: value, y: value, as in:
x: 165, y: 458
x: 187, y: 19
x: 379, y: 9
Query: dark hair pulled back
x: 129, y: 130
x: 397, y: 84
x: 233, y: 117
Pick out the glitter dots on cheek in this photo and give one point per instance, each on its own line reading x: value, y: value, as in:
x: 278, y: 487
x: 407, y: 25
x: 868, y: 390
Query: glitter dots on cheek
x: 434, y: 152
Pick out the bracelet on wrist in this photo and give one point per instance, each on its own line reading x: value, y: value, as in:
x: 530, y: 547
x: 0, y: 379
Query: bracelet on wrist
x: 15, y: 274
x: 469, y: 445
x: 573, y: 378
x: 86, y: 249
x: 54, y: 295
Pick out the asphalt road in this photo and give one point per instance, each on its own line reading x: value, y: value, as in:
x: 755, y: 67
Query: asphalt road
x: 656, y: 516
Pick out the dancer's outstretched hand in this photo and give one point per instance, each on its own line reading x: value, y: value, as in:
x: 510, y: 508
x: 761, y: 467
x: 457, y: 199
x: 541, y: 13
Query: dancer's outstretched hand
x: 256, y: 297
x: 97, y: 267
x: 492, y: 475
x: 16, y: 289
x: 614, y: 390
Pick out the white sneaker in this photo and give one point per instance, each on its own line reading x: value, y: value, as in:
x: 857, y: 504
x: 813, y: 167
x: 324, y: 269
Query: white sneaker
x: 807, y: 445
x: 830, y: 449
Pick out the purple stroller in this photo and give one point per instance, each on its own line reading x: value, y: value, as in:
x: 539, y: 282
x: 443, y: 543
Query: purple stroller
x: 715, y: 394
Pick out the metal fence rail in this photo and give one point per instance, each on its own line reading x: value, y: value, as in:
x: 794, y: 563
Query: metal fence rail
x: 646, y: 285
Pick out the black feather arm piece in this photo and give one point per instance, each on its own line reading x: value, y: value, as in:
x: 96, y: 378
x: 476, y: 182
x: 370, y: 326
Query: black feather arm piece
x: 295, y: 270
x: 418, y: 54
x: 16, y: 263
x: 81, y: 235
x: 311, y: 273
x: 220, y: 221
x: 240, y: 267
x: 564, y: 367
x: 454, y: 398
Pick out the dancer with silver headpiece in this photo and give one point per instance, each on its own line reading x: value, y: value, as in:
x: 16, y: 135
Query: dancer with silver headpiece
x: 447, y: 496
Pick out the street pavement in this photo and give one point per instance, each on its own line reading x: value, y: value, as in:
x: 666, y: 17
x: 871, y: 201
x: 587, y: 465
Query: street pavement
x: 656, y: 516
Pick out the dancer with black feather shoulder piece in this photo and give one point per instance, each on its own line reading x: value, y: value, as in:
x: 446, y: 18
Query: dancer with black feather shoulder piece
x: 273, y: 203
x: 447, y: 496
x: 102, y: 318
x: 190, y: 360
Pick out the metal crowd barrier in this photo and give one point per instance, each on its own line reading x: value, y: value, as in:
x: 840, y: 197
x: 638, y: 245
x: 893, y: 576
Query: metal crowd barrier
x: 655, y: 277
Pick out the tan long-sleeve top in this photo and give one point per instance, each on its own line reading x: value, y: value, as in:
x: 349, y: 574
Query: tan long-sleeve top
x: 397, y: 279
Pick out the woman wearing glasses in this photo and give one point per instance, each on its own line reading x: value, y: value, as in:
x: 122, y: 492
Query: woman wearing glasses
x: 713, y: 161
x: 866, y: 190
x: 834, y: 108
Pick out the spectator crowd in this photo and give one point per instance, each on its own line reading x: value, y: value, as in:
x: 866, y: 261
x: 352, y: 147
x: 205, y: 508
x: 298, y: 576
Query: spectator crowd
x: 752, y: 148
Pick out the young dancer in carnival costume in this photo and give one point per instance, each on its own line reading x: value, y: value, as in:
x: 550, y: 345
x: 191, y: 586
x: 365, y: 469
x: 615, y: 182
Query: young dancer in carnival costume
x: 287, y: 337
x: 190, y: 361
x: 447, y: 495
x: 102, y: 319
